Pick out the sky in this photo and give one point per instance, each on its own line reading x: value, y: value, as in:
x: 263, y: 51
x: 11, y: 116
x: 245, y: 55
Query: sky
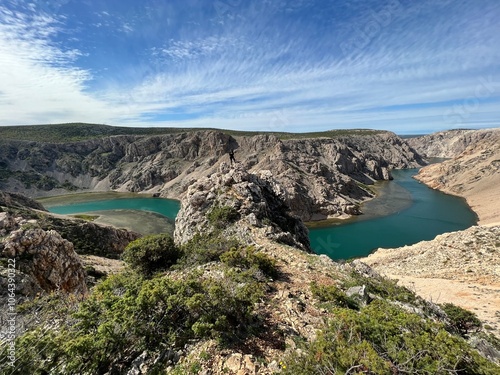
x: 406, y: 66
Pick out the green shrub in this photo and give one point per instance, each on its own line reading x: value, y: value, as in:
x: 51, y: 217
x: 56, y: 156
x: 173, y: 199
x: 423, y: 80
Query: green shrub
x: 204, y: 248
x: 248, y: 257
x: 331, y: 293
x: 153, y: 253
x: 384, y: 339
x: 126, y: 314
x: 383, y: 287
x: 461, y: 321
x: 222, y: 216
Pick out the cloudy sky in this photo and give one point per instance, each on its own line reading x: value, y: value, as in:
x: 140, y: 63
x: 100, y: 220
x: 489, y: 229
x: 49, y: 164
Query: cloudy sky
x: 277, y: 65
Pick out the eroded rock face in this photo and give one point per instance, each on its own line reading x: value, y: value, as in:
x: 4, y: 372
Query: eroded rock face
x: 49, y: 261
x: 18, y: 201
x: 324, y: 177
x: 472, y: 173
x: 258, y: 199
x: 450, y: 143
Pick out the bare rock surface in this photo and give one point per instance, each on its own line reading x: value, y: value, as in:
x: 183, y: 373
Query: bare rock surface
x: 472, y: 173
x: 255, y: 200
x: 324, y: 177
x: 448, y: 143
x: 47, y: 259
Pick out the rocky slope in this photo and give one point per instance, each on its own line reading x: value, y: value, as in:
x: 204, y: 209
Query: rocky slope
x: 242, y: 199
x: 472, y: 173
x: 45, y: 247
x: 324, y: 177
x: 449, y: 143
x: 460, y: 267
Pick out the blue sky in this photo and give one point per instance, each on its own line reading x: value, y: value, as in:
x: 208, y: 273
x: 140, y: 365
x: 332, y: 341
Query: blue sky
x: 269, y: 65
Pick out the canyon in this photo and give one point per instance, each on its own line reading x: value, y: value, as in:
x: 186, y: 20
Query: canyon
x: 262, y: 201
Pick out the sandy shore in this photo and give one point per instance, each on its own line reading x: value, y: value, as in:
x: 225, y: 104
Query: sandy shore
x: 143, y: 222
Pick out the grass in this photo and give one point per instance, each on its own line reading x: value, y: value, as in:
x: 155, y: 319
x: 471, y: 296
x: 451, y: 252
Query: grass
x: 73, y: 132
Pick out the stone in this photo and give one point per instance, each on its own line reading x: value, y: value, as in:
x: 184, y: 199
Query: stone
x: 46, y: 257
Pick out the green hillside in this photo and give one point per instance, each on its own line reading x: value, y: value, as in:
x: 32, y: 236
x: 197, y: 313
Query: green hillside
x: 71, y: 132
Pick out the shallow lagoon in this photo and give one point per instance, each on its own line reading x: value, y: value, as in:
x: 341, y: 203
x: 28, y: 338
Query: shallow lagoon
x: 405, y: 212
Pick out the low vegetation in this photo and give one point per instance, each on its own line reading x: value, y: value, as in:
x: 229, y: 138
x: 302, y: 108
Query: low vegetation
x: 211, y: 289
x: 382, y: 338
x: 151, y: 254
x: 143, y: 308
x: 461, y: 321
x: 222, y: 216
x: 72, y: 132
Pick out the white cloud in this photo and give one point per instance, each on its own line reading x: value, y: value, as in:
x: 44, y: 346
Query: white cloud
x: 405, y: 76
x: 37, y: 79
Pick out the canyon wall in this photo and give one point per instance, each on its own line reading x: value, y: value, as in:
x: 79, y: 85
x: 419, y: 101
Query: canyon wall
x: 324, y: 177
x: 473, y: 172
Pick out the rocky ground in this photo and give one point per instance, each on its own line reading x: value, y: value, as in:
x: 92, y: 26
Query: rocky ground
x: 460, y: 267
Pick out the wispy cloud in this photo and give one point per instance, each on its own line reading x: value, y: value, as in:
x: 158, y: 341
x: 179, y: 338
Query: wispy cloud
x: 293, y: 65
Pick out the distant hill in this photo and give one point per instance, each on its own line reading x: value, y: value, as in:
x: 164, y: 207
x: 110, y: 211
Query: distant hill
x: 60, y: 133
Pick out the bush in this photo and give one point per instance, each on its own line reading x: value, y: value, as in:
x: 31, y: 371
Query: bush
x: 384, y: 339
x: 222, y: 216
x: 150, y: 254
x: 461, y: 321
x: 204, y: 248
x: 126, y: 314
x: 247, y: 258
x: 330, y: 293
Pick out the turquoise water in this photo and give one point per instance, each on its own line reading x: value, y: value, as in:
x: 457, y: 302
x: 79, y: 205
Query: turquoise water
x: 406, y: 212
x: 424, y: 213
x: 165, y: 207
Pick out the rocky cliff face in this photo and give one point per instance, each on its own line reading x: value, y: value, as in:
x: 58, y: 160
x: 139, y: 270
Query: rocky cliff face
x: 449, y: 143
x: 235, y: 200
x: 473, y: 172
x: 46, y: 262
x: 324, y: 177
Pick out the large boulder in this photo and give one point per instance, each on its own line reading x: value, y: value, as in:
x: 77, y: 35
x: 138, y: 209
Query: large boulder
x: 44, y: 261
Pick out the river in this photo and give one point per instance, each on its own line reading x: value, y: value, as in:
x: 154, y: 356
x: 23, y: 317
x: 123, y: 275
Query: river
x: 405, y: 212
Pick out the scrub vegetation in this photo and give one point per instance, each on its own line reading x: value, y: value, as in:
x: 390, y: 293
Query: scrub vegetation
x: 73, y: 132
x: 210, y: 288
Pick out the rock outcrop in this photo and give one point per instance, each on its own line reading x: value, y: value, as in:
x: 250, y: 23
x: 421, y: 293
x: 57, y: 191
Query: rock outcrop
x: 472, y: 173
x: 325, y: 177
x: 14, y: 200
x: 42, y: 247
x: 254, y: 200
x: 46, y: 261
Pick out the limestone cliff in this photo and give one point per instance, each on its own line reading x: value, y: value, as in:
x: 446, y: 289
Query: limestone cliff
x: 472, y: 173
x: 447, y: 144
x: 244, y: 200
x: 324, y: 176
